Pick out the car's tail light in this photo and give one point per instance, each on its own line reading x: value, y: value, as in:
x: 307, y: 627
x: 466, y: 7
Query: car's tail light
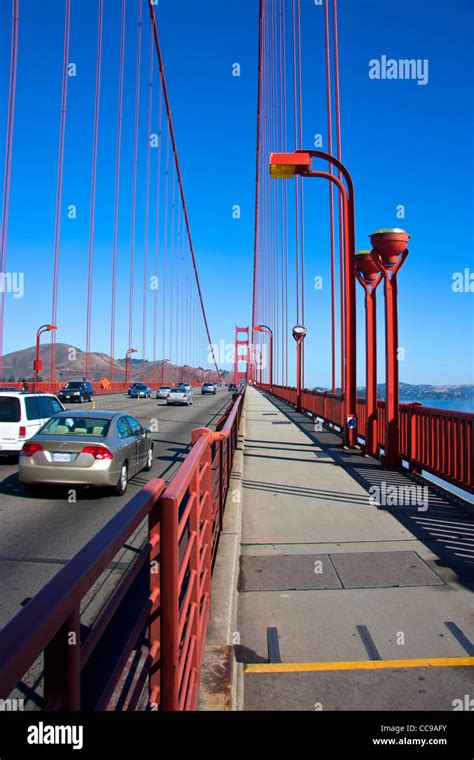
x: 98, y: 452
x: 22, y: 433
x: 31, y: 448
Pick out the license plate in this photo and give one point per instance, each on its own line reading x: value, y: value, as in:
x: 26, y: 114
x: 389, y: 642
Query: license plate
x: 57, y: 457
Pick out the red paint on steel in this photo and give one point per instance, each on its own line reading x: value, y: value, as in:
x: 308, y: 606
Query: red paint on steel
x: 368, y: 276
x: 350, y: 434
x: 440, y: 441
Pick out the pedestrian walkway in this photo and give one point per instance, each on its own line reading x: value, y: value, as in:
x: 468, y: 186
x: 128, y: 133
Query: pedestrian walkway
x: 346, y: 603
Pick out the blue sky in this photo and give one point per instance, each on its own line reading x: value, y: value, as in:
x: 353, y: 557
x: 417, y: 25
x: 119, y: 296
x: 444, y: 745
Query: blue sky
x: 404, y: 144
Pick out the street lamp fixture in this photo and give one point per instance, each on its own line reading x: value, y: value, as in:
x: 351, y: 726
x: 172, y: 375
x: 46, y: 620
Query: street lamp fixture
x: 299, y: 334
x: 38, y: 363
x: 268, y: 331
x: 390, y: 249
x: 288, y: 165
x: 368, y: 274
x: 127, y: 361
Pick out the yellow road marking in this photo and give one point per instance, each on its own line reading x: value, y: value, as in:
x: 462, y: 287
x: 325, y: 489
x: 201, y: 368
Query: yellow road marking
x: 311, y: 667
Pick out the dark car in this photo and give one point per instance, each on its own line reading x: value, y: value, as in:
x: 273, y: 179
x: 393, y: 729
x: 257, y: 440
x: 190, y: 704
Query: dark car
x: 140, y: 390
x: 208, y: 388
x: 77, y: 390
x: 233, y: 387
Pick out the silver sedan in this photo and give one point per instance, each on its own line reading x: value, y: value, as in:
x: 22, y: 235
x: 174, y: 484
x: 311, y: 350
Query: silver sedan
x: 180, y: 395
x: 93, y: 448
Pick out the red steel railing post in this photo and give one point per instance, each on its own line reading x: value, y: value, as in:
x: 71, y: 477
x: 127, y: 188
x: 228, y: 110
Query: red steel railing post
x: 62, y: 666
x: 154, y: 629
x: 169, y: 604
x: 413, y: 439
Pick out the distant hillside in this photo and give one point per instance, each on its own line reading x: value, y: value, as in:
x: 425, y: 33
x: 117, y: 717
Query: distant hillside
x: 71, y: 365
x: 410, y: 392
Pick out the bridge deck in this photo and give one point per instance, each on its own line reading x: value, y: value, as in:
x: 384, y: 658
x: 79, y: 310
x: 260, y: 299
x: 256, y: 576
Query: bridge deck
x: 348, y: 585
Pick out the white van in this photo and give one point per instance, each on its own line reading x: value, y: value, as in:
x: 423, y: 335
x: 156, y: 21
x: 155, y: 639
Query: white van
x: 21, y: 416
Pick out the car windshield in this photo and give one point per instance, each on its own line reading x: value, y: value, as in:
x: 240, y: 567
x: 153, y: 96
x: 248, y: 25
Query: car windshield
x: 76, y: 425
x: 10, y: 410
x: 179, y: 389
x: 209, y: 385
x: 139, y: 387
x: 73, y: 386
x: 165, y: 388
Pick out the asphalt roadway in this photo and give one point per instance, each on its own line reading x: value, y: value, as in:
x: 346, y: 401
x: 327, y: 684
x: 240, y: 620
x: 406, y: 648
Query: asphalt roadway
x: 39, y: 535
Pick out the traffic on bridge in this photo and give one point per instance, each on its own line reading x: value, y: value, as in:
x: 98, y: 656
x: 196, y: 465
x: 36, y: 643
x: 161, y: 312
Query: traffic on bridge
x: 236, y: 405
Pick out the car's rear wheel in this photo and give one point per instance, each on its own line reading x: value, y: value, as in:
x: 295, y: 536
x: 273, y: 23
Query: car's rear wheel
x: 122, y: 483
x: 149, y: 460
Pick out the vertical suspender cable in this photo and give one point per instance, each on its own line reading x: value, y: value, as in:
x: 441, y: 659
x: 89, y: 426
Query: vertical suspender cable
x: 178, y: 171
x: 157, y: 233
x: 93, y: 189
x: 295, y: 130
x: 339, y: 157
x: 257, y: 170
x: 165, y: 247
x: 331, y: 204
x: 172, y: 255
x: 300, y: 180
x: 117, y: 192
x: 59, y: 189
x: 147, y: 207
x: 8, y: 158
x: 134, y: 178
x: 285, y: 215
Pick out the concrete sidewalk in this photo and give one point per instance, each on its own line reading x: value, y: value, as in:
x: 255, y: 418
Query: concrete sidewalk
x: 332, y: 586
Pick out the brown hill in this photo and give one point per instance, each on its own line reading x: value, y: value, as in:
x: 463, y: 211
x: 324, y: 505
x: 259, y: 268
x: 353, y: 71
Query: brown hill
x: 71, y: 365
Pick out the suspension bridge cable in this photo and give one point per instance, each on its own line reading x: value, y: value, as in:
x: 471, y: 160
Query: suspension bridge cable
x: 134, y: 177
x: 147, y: 206
x: 117, y: 190
x: 178, y: 171
x: 59, y: 189
x: 8, y: 158
x: 95, y: 142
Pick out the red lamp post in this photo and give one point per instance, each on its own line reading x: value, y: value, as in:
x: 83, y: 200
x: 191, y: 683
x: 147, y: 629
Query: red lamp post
x: 38, y: 363
x: 368, y: 274
x: 299, y: 334
x: 127, y: 361
x: 285, y: 166
x: 390, y: 247
x: 269, y: 331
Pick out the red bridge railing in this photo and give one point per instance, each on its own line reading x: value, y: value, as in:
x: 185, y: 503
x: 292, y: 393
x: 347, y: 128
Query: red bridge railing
x: 169, y: 623
x: 439, y: 441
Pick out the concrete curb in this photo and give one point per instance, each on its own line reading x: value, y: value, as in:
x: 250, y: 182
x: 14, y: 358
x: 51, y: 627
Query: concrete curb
x: 221, y: 678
